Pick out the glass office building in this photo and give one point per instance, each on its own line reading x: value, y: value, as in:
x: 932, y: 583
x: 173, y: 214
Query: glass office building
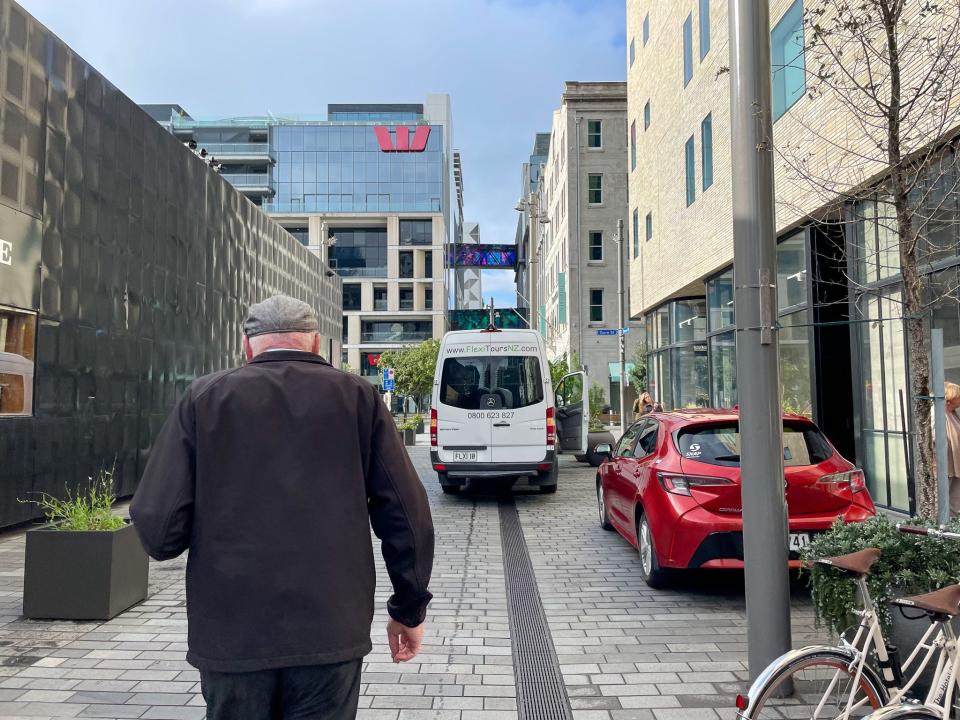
x: 371, y: 189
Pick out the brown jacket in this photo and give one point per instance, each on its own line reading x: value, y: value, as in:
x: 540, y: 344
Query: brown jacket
x: 272, y: 474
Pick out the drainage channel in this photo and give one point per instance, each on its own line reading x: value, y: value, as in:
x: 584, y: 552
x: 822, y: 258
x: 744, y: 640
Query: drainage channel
x: 541, y: 694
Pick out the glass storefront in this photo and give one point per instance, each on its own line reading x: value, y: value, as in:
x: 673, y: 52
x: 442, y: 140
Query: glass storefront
x: 18, y: 332
x: 678, y: 374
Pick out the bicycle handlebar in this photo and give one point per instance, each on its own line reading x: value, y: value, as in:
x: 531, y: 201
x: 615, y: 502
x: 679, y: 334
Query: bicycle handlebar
x: 932, y: 532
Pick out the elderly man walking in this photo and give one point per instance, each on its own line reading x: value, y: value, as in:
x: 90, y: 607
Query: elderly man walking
x: 271, y: 475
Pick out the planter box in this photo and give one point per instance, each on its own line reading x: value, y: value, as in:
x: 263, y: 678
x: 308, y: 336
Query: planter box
x: 595, y: 438
x: 420, y: 426
x: 409, y: 437
x: 74, y: 575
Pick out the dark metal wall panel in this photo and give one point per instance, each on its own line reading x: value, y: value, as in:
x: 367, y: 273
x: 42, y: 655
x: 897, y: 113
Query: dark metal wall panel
x: 148, y: 264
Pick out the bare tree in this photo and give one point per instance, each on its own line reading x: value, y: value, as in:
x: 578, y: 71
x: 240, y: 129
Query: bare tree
x: 877, y: 145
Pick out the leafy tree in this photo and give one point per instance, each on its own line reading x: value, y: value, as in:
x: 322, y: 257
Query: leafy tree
x: 890, y: 70
x: 557, y: 370
x: 597, y: 398
x: 638, y: 373
x: 414, y: 369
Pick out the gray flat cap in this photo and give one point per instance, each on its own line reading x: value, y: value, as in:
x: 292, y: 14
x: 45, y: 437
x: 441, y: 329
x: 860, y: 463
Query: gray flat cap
x: 280, y: 314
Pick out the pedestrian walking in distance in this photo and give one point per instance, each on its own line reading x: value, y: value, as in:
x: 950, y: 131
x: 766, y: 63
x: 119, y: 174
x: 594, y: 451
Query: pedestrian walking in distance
x: 271, y: 475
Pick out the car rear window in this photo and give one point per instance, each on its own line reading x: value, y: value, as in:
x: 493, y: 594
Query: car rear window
x: 485, y: 382
x: 719, y: 444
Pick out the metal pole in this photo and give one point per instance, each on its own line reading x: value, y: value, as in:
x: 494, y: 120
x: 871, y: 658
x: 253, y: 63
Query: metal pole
x: 579, y: 204
x: 620, y: 336
x: 940, y: 424
x: 765, y: 551
x: 533, y: 206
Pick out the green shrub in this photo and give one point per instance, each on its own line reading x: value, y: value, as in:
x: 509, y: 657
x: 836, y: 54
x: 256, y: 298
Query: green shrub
x: 89, y: 510
x: 908, y: 565
x: 410, y: 424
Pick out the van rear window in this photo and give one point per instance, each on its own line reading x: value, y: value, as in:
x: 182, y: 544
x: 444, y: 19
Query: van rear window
x: 803, y: 444
x: 487, y: 383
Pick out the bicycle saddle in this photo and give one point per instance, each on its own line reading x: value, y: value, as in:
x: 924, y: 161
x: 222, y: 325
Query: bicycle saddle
x: 945, y: 601
x: 858, y: 563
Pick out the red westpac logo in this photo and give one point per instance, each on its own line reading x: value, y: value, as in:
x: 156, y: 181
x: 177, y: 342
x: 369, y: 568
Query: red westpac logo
x: 404, y: 143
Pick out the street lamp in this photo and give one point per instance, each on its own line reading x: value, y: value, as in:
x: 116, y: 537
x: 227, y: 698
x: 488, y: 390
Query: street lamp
x: 531, y: 205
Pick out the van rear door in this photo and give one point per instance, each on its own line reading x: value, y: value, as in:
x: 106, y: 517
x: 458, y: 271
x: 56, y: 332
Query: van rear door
x: 572, y: 415
x: 463, y: 430
x: 519, y: 421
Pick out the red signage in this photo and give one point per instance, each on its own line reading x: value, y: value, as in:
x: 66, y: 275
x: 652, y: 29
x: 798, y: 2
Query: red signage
x: 403, y: 143
x: 373, y: 360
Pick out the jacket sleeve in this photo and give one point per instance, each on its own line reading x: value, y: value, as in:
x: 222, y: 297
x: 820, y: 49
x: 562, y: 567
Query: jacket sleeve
x: 400, y: 516
x: 162, y: 507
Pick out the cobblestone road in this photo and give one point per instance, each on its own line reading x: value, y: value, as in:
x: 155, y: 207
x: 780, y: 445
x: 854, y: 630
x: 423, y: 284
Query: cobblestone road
x: 626, y: 652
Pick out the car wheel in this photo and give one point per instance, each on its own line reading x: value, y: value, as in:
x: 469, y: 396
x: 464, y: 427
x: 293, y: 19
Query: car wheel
x: 650, y: 570
x: 595, y: 459
x: 548, y: 489
x: 602, y: 508
x: 448, y: 487
x: 581, y: 458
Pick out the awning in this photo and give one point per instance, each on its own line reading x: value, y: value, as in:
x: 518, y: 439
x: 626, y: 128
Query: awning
x: 615, y: 370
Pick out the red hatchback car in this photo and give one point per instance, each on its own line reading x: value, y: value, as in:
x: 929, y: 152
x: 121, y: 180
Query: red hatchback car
x: 671, y: 487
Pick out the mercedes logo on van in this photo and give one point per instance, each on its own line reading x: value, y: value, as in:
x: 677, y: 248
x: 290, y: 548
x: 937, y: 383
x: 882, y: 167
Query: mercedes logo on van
x: 491, y: 402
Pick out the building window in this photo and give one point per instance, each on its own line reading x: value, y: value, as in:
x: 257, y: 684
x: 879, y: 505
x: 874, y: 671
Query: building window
x: 406, y: 297
x: 594, y: 133
x: 704, y: 28
x: 690, y: 161
x: 646, y: 115
x: 633, y: 52
x: 18, y: 331
x: 595, y: 250
x: 428, y: 264
x: 302, y: 234
x: 687, y: 50
x: 406, y: 264
x: 706, y: 150
x: 351, y: 297
x: 379, y: 297
x: 649, y: 226
x: 359, y: 252
x: 379, y: 331
x: 633, y: 145
x: 646, y: 29
x: 596, y: 304
x: 594, y: 189
x: 428, y: 298
x: 636, y: 232
x: 416, y: 232
x: 787, y: 58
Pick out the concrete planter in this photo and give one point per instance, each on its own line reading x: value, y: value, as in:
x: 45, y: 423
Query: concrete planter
x: 410, y: 437
x: 83, y: 575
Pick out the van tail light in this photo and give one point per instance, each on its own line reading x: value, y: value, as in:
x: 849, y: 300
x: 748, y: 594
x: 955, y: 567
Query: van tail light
x: 677, y: 484
x: 551, y: 428
x: 742, y: 702
x: 433, y: 427
x: 852, y: 479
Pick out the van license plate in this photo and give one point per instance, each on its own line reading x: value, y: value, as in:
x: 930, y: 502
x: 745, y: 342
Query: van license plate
x: 464, y: 456
x: 798, y: 541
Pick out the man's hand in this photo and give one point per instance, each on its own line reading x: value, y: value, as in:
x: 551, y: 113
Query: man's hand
x: 404, y: 641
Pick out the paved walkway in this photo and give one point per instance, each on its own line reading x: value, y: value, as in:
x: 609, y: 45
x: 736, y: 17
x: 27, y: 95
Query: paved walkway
x: 626, y: 652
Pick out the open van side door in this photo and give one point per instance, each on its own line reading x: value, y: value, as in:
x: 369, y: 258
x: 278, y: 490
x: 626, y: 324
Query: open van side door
x: 572, y: 411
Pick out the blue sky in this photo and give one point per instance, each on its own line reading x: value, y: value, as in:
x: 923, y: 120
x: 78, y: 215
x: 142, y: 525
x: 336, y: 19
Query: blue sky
x: 502, y: 61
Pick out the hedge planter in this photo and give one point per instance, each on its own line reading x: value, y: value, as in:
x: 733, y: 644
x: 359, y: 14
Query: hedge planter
x: 410, y: 437
x: 83, y: 575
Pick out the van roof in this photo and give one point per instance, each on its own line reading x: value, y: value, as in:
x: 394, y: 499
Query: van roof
x: 469, y: 333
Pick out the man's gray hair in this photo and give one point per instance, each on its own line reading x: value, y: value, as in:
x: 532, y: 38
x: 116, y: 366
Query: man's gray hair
x: 280, y: 314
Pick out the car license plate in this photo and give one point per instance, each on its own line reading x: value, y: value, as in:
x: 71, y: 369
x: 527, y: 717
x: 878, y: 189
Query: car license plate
x: 464, y: 456
x: 798, y: 541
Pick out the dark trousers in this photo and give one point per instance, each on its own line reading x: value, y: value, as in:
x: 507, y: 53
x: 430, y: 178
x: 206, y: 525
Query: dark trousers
x: 313, y: 692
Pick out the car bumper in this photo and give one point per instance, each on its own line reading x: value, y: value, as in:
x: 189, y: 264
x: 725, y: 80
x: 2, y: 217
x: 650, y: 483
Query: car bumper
x: 537, y: 472
x: 705, y: 540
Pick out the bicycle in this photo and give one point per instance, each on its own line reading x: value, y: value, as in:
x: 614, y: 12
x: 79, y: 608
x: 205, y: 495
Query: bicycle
x: 841, y: 683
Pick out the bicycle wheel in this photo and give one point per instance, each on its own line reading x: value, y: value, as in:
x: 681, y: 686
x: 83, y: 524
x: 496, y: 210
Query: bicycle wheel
x: 816, y: 684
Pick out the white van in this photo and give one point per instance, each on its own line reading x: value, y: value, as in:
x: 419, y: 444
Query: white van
x: 493, y: 413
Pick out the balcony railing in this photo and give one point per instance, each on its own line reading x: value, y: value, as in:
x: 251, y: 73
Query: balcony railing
x: 247, y: 179
x: 361, y: 271
x: 228, y: 149
x: 394, y: 337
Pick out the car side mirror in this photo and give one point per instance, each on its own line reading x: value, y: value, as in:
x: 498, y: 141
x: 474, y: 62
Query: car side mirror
x: 604, y: 449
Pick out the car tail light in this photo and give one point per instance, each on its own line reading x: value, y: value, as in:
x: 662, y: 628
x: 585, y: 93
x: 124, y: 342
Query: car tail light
x: 433, y: 427
x: 853, y: 479
x: 681, y: 484
x: 551, y: 428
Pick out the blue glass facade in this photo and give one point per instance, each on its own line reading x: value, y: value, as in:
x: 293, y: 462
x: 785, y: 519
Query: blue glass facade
x: 342, y: 168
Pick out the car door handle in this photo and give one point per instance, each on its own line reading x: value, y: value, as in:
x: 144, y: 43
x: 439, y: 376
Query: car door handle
x: 501, y: 424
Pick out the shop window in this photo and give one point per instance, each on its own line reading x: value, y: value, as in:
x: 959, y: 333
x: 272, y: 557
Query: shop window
x: 792, y: 271
x: 795, y: 338
x: 18, y: 332
x: 720, y: 301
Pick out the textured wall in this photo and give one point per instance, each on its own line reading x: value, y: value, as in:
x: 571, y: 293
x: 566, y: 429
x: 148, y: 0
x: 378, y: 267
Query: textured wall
x: 149, y: 261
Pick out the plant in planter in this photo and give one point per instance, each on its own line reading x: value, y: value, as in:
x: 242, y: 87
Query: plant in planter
x: 87, y: 563
x: 408, y: 429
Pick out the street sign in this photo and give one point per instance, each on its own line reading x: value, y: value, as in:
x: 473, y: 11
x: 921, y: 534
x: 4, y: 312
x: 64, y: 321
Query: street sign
x: 606, y: 332
x: 388, y: 385
x: 625, y: 330
x: 389, y: 379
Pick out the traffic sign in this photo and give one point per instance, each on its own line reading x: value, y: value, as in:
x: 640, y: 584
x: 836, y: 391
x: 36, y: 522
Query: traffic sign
x: 624, y: 331
x: 388, y: 385
x: 606, y: 332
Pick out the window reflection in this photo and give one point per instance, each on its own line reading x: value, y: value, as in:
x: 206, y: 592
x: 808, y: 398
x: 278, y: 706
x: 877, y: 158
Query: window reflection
x: 17, y: 342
